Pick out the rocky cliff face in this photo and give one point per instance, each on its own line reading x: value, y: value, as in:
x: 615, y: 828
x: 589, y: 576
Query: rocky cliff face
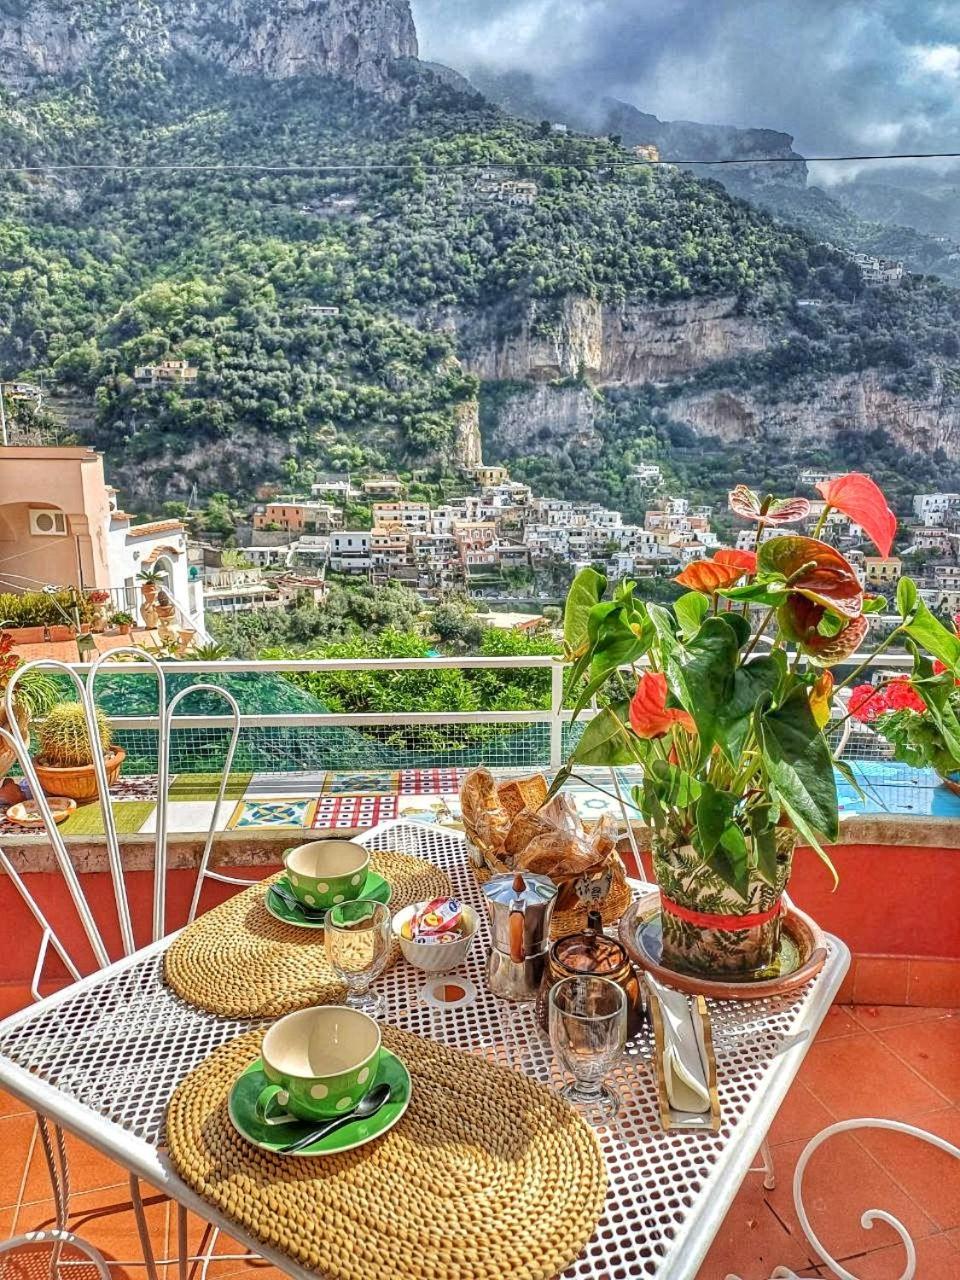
x: 540, y: 419
x: 853, y: 402
x: 626, y: 344
x: 545, y: 411
x: 356, y: 39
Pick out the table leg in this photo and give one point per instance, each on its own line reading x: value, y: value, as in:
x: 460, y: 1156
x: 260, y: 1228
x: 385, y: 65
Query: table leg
x: 146, y: 1244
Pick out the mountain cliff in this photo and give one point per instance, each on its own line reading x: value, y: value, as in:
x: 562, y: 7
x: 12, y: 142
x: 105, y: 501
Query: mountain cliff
x: 277, y: 39
x: 365, y: 264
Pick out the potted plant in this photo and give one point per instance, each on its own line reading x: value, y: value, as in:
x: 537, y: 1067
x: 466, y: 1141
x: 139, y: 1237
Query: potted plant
x: 98, y: 600
x: 918, y: 715
x: 122, y: 621
x: 34, y: 694
x: 729, y: 713
x: 64, y: 761
x: 150, y: 582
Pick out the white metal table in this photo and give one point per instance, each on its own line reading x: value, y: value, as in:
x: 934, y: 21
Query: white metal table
x: 102, y: 1058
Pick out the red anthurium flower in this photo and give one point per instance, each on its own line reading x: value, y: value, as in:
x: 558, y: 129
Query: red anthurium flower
x: 858, y: 497
x: 723, y: 570
x: 748, y: 504
x: 800, y: 621
x: 745, y: 561
x: 816, y: 571
x: 650, y: 717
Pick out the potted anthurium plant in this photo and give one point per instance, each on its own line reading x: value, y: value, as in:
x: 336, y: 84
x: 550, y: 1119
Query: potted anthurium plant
x: 724, y: 700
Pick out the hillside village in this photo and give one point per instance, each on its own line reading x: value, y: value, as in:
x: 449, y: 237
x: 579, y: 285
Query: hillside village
x: 501, y: 543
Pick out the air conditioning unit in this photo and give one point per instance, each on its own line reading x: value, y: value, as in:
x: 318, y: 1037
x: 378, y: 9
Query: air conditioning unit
x: 47, y: 523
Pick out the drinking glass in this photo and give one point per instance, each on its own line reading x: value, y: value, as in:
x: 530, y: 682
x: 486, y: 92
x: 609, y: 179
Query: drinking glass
x: 357, y: 938
x: 588, y: 1029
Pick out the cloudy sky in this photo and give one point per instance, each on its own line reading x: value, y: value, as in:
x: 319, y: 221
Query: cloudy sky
x: 841, y: 75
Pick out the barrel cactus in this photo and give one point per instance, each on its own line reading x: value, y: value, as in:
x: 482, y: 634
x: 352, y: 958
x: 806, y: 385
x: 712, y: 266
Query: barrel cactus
x: 64, y: 741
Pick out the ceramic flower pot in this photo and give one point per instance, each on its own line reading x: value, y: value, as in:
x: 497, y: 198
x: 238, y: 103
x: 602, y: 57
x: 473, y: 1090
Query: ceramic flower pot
x: 708, y: 928
x: 78, y: 782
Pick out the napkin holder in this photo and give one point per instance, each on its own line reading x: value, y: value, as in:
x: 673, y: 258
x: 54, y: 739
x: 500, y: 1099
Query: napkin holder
x: 671, y: 1119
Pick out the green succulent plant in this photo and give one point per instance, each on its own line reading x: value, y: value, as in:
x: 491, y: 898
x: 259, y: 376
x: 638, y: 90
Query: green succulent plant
x: 64, y: 741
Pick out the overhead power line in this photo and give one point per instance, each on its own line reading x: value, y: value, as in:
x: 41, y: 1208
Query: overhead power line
x: 326, y: 166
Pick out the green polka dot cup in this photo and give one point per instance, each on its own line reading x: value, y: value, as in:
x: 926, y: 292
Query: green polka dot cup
x: 320, y: 1062
x: 325, y: 872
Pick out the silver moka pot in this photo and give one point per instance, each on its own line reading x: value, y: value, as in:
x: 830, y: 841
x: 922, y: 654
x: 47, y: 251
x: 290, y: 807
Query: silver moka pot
x: 519, y: 906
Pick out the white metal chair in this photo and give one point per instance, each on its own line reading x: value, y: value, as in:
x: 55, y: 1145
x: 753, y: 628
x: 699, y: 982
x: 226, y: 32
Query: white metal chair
x: 870, y: 1216
x: 64, y: 1249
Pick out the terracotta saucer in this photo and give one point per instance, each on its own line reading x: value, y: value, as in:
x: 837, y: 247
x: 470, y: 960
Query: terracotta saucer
x: 26, y: 813
x: 807, y: 940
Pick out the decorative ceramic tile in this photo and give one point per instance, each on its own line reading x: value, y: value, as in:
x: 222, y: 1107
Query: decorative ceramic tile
x: 190, y: 816
x: 420, y: 782
x: 381, y: 782
x: 293, y: 782
x: 272, y: 813
x: 349, y: 812
x: 594, y: 804
x: 441, y: 809
x: 206, y: 786
x: 141, y: 786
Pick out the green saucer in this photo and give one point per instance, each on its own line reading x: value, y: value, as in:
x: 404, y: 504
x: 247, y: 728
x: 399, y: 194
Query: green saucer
x: 243, y: 1113
x: 374, y: 887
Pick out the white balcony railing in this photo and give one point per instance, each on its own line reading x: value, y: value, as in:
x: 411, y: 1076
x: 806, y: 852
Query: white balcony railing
x: 282, y: 739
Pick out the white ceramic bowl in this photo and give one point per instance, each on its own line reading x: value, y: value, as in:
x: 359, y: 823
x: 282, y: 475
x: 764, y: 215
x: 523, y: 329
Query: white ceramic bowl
x: 436, y: 957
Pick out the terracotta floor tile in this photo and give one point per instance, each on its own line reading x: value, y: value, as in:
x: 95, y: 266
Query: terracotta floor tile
x: 934, y: 982
x: 933, y: 1050
x: 936, y: 1260
x: 954, y: 1238
x: 801, y: 1116
x: 883, y: 1017
x: 838, y: 1022
x: 929, y: 1175
x: 105, y: 1218
x: 860, y: 1075
x: 16, y: 1136
x: 11, y: 1106
x: 752, y: 1241
x: 89, y: 1170
x: 216, y: 1270
x: 840, y: 1182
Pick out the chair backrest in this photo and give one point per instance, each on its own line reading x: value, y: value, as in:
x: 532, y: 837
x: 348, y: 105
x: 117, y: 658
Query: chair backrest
x: 14, y: 737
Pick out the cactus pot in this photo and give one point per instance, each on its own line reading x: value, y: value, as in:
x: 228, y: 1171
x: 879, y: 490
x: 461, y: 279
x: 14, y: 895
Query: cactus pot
x: 79, y: 782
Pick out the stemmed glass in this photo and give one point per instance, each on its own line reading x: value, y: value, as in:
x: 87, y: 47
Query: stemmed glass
x: 588, y: 1029
x: 357, y: 939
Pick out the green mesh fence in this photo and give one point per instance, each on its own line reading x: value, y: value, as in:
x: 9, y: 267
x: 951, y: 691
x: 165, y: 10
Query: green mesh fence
x: 284, y: 749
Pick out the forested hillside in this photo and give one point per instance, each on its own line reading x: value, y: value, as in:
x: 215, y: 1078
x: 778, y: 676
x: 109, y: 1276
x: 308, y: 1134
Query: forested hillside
x: 321, y: 194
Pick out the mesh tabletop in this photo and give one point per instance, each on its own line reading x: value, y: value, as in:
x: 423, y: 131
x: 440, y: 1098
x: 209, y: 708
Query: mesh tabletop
x: 112, y: 1049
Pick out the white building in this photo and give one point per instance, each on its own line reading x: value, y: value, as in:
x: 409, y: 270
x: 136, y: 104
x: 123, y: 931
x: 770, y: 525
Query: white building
x: 350, y: 551
x: 933, y: 508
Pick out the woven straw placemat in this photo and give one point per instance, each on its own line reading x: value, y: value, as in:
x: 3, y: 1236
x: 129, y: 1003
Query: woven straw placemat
x: 241, y: 962
x: 488, y: 1175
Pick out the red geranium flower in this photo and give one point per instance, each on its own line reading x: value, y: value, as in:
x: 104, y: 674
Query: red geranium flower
x: 900, y: 695
x: 650, y: 717
x: 867, y: 702
x: 858, y: 497
x: 725, y: 568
